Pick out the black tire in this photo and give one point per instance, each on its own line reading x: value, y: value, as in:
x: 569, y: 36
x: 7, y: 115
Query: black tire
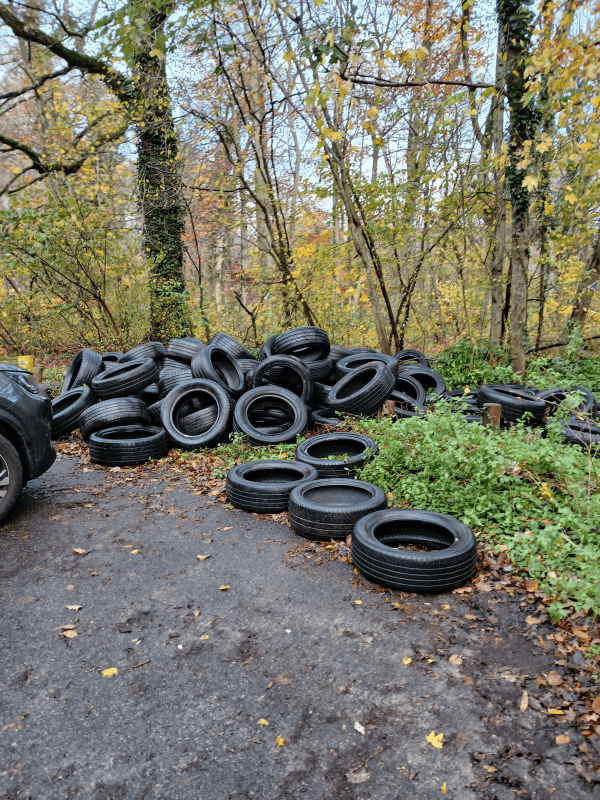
x: 349, y: 363
x: 261, y: 485
x: 266, y: 350
x: 154, y: 411
x: 411, y: 358
x: 150, y: 394
x: 324, y: 418
x: 11, y: 477
x: 410, y: 387
x: 247, y: 364
x: 307, y: 343
x: 67, y: 408
x: 321, y: 391
x: 208, y: 393
x: 583, y: 433
x: 554, y: 397
x: 329, y: 507
x: 362, y: 391
x: 290, y: 373
x: 217, y: 365
x: 154, y: 350
x: 320, y: 370
x: 125, y: 379
x: 405, y: 407
x: 377, y: 555
x: 428, y: 378
x: 514, y: 404
x: 128, y: 445
x: 173, y: 364
x: 352, y: 451
x: 111, y: 359
x: 198, y: 421
x: 263, y: 398
x: 184, y: 349
x: 113, y: 413
x: 82, y: 370
x: 230, y: 346
x: 169, y: 380
x: 336, y: 352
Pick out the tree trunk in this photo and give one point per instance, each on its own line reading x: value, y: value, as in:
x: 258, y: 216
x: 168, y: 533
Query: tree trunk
x: 587, y: 287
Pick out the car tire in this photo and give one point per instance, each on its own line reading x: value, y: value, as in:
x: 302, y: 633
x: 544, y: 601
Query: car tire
x: 153, y: 350
x: 208, y: 393
x: 554, y: 397
x: 261, y: 485
x: 262, y: 399
x: 410, y: 387
x: 84, y: 367
x: 307, y: 343
x: 111, y: 359
x: 328, y: 508
x: 514, y: 404
x: 169, y: 380
x: 266, y: 349
x: 125, y: 379
x: 230, y: 346
x: 362, y: 391
x: 428, y: 378
x: 352, y: 450
x: 128, y: 445
x: 198, y: 422
x: 355, y: 360
x: 405, y: 407
x: 113, y: 413
x: 11, y: 477
x: 276, y: 370
x: 68, y: 407
x: 583, y: 433
x: 406, y: 358
x: 213, y: 363
x: 184, y: 349
x: 450, y: 561
x: 324, y: 418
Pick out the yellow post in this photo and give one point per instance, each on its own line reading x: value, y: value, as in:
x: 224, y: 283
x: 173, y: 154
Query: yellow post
x: 25, y: 362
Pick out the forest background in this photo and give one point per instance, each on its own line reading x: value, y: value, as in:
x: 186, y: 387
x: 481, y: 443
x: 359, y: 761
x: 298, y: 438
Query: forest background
x: 415, y: 173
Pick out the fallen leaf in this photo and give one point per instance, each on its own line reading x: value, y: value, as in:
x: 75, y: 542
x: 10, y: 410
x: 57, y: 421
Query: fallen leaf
x: 230, y: 528
x: 456, y: 660
x: 196, y: 613
x: 204, y: 638
x: 79, y: 551
x: 224, y: 588
x: 431, y: 660
x: 554, y: 679
x: 555, y: 711
x: 490, y: 769
x: 407, y: 660
x: 108, y: 673
x: 88, y: 505
x: 470, y: 616
x: 524, y: 702
x: 446, y: 607
x: 358, y: 727
x: 70, y: 586
x: 70, y: 634
x: 202, y: 558
x: 362, y: 776
x: 355, y: 571
x: 74, y: 608
x: 358, y: 602
x: 69, y: 627
x: 134, y: 551
x: 396, y: 604
x: 532, y: 620
x: 508, y: 677
x: 443, y: 788
x: 436, y: 740
x: 262, y: 722
x: 280, y: 742
x: 596, y: 705
x: 468, y: 681
x: 563, y: 739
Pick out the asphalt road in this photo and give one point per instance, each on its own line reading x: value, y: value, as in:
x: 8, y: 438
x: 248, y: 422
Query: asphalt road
x: 298, y: 641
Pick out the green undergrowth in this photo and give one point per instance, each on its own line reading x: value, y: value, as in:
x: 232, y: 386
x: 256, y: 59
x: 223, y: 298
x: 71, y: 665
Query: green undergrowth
x: 536, y: 495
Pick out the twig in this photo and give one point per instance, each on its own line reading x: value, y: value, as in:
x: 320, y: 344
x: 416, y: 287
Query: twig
x: 135, y: 666
x: 355, y: 769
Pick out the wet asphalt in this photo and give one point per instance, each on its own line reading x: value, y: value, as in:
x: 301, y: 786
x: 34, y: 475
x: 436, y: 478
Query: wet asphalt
x: 301, y: 680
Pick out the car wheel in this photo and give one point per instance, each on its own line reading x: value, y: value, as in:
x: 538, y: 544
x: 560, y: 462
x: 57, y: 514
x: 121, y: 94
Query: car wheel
x: 11, y: 477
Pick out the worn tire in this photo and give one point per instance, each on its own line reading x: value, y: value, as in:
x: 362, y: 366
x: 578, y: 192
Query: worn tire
x: 328, y: 508
x: 184, y: 349
x: 405, y: 406
x: 261, y: 485
x: 289, y: 372
x: 198, y: 422
x: 112, y: 414
x: 266, y: 349
x: 362, y: 391
x: 349, y: 363
x: 411, y: 357
x: 324, y: 418
x: 67, y: 408
x: 154, y: 350
x: 450, y: 561
x: 128, y: 445
x: 82, y: 370
x: 554, y: 397
x: 111, y: 359
x: 352, y: 451
x: 514, y: 404
x: 410, y: 387
x: 263, y: 398
x: 217, y: 365
x: 307, y: 343
x: 583, y: 433
x: 125, y: 379
x: 169, y: 380
x: 227, y: 343
x: 11, y: 477
x: 209, y: 393
x: 428, y: 378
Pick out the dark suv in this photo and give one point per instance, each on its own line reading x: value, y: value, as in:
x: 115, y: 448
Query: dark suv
x: 26, y: 450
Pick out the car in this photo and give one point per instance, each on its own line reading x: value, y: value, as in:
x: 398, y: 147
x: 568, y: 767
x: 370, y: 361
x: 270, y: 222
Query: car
x: 26, y: 450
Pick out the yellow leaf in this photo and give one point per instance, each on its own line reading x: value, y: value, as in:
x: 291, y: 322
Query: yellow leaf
x: 524, y: 702
x: 134, y: 551
x: 431, y: 660
x: 202, y: 558
x: 407, y: 660
x: 156, y: 54
x: 196, y: 613
x: 224, y: 588
x: 279, y: 741
x: 262, y: 722
x: 435, y: 739
x: 358, y: 602
x: 355, y: 571
x: 215, y: 492
x: 79, y: 551
x: 563, y: 739
x: 74, y: 608
x: 108, y: 673
x: 229, y: 528
x: 544, y: 146
x: 289, y: 56
x: 204, y: 638
x: 88, y: 505
x: 446, y: 607
x: 490, y: 769
x: 396, y: 604
x: 532, y: 620
x: 555, y: 711
x: 530, y: 182
x: 570, y: 198
x: 443, y: 788
x: 70, y: 634
x: 456, y: 660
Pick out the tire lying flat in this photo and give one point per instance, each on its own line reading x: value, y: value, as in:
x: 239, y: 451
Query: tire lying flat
x: 265, y: 486
x: 377, y: 550
x: 337, y: 455
x: 125, y: 379
x: 128, y: 445
x: 329, y: 507
x: 111, y: 413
